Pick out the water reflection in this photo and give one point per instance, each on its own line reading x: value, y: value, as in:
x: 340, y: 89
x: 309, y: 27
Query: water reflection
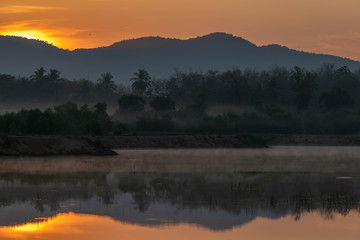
x: 214, y: 201
x: 196, y: 193
x: 83, y: 226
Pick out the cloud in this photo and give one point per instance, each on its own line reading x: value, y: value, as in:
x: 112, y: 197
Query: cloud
x: 11, y: 9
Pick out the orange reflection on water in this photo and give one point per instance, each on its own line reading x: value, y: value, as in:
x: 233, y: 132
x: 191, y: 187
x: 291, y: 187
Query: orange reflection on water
x: 80, y: 226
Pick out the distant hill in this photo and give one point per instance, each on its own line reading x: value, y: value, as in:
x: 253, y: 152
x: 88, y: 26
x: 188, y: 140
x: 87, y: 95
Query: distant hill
x: 160, y: 56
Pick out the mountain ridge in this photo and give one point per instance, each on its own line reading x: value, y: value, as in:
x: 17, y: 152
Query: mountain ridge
x: 159, y: 55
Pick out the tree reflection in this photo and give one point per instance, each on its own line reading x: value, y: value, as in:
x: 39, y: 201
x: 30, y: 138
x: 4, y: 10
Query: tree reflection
x: 280, y: 194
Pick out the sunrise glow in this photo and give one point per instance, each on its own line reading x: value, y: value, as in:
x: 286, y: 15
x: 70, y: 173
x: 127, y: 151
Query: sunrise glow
x: 330, y: 27
x: 34, y: 34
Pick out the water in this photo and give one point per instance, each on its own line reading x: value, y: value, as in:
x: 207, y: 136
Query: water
x: 278, y: 193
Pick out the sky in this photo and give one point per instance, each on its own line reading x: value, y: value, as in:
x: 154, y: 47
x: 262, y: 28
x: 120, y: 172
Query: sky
x: 320, y: 26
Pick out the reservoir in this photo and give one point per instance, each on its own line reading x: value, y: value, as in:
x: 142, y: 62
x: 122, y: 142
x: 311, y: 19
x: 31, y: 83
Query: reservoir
x: 276, y: 193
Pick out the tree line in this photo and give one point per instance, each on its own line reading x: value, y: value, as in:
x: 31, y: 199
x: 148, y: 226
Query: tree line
x: 323, y: 89
x: 278, y: 100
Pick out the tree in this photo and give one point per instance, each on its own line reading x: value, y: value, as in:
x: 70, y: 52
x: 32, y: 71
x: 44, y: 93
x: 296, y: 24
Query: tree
x: 162, y: 103
x: 335, y: 99
x: 159, y: 88
x: 131, y: 102
x: 199, y: 106
x: 236, y: 85
x: 155, y: 123
x: 102, y: 118
x: 304, y: 85
x: 141, y: 82
x: 54, y: 76
x: 347, y: 81
x: 271, y: 87
x: 106, y: 84
x: 39, y: 75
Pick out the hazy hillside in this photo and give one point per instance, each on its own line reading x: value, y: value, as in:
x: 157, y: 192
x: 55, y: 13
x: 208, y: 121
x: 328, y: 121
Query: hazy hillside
x: 160, y: 56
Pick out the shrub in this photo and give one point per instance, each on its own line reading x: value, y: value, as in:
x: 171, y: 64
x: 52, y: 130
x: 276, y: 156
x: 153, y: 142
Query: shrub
x: 155, y: 123
x: 119, y: 128
x: 162, y: 103
x: 131, y: 102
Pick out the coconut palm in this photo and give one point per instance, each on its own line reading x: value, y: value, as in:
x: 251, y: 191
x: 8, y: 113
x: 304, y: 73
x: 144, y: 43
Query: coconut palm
x: 54, y: 76
x: 106, y: 84
x: 141, y: 81
x: 39, y: 75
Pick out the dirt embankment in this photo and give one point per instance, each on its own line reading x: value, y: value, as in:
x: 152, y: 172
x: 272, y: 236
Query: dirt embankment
x: 103, y: 145
x: 183, y: 141
x: 315, y: 140
x: 226, y: 141
x: 52, y: 146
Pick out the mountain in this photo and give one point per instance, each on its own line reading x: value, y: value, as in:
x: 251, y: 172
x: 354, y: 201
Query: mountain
x: 160, y: 56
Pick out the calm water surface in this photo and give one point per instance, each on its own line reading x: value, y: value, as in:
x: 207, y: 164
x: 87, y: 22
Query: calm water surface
x: 278, y: 193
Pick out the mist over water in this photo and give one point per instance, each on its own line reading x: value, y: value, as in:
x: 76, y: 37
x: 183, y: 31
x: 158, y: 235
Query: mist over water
x: 275, y: 159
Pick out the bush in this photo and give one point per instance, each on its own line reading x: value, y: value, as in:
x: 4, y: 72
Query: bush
x: 119, y: 128
x: 155, y: 123
x: 92, y: 127
x: 66, y: 119
x: 161, y: 103
x: 131, y: 102
x: 335, y: 99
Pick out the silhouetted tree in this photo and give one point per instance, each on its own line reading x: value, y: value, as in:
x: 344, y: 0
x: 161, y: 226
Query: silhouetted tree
x: 131, y: 102
x: 54, y: 76
x: 106, y: 84
x: 39, y: 75
x: 347, y: 81
x: 100, y: 109
x: 272, y: 89
x: 199, y: 106
x: 162, y: 103
x: 141, y: 81
x: 236, y: 86
x: 335, y: 99
x: 159, y: 88
x: 155, y: 123
x: 304, y: 85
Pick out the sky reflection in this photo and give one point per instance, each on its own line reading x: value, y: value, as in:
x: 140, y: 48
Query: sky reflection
x: 82, y: 226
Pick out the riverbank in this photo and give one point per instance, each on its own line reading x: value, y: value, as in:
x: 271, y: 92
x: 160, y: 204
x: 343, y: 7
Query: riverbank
x: 103, y: 145
x: 313, y: 140
x: 226, y: 141
x: 52, y: 146
x: 183, y: 141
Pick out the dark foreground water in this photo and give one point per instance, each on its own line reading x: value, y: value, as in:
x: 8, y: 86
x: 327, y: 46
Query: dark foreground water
x: 117, y: 198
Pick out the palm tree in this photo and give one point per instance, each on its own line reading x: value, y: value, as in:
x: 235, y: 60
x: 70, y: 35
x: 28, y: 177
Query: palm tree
x: 106, y: 84
x: 54, y: 76
x: 53, y: 81
x: 141, y: 81
x: 39, y: 75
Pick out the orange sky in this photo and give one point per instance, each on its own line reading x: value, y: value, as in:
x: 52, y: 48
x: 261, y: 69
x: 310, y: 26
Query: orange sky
x: 321, y: 26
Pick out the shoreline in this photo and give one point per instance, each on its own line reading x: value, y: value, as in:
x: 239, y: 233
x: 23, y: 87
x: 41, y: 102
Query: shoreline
x: 313, y: 140
x: 104, y: 145
x: 52, y: 146
x: 226, y: 141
